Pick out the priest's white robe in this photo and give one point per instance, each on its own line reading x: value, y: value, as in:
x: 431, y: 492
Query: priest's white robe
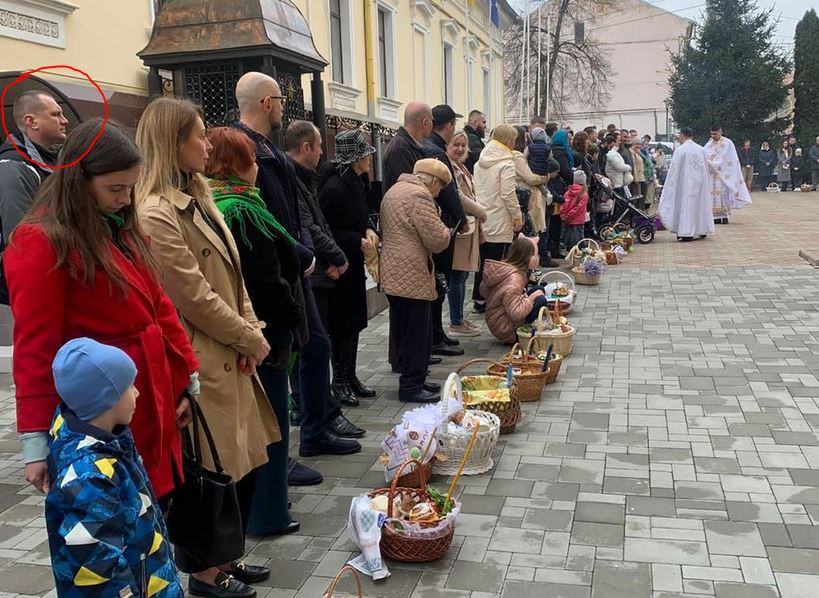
x: 685, y: 205
x: 726, y: 183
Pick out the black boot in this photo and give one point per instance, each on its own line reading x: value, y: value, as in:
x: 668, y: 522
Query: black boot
x: 339, y: 387
x: 353, y: 383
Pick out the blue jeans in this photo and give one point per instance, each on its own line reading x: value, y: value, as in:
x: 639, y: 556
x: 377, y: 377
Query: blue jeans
x: 573, y: 235
x: 543, y: 244
x: 538, y: 304
x: 456, y: 296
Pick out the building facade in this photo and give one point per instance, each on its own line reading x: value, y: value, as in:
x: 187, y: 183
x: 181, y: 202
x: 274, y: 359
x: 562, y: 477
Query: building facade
x: 100, y: 37
x: 385, y: 53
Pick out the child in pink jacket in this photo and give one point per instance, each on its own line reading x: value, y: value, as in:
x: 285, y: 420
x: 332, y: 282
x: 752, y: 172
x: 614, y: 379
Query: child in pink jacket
x: 573, y: 210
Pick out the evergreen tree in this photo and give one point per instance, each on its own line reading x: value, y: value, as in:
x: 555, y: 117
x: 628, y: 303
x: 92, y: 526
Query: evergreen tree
x: 732, y: 75
x: 806, y: 80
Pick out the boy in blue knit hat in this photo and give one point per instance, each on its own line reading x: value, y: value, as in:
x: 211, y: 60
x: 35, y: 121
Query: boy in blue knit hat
x: 106, y: 534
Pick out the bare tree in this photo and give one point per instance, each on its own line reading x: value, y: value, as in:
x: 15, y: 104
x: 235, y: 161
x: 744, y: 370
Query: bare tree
x: 576, y: 62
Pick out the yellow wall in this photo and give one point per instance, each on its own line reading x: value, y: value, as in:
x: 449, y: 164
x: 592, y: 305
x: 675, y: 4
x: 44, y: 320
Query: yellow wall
x: 102, y: 38
x: 412, y: 80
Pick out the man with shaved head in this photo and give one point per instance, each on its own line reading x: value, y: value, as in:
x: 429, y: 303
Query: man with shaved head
x: 404, y: 150
x: 261, y: 108
x: 475, y: 132
x: 41, y: 127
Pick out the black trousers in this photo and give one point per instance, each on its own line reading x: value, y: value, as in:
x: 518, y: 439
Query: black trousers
x: 245, y: 489
x: 322, y: 296
x: 489, y: 251
x: 314, y: 373
x: 555, y: 230
x: 411, y: 327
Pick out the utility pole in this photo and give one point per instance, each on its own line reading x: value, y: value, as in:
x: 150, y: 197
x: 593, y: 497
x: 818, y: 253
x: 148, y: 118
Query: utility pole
x: 548, y: 62
x: 539, y: 48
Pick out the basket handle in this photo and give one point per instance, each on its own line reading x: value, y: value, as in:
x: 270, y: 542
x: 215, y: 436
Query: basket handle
x: 339, y: 575
x: 588, y: 242
x: 476, y: 360
x: 394, y: 483
x: 540, y: 318
x: 515, y: 348
x: 558, y: 274
x: 452, y: 380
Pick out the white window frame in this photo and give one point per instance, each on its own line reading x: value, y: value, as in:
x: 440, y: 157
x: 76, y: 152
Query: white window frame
x: 347, y: 47
x: 386, y: 63
x: 487, y: 93
x: 417, y: 28
x: 448, y: 70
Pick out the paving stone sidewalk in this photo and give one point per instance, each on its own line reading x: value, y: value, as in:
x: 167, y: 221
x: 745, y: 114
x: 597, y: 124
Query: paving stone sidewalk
x: 677, y: 455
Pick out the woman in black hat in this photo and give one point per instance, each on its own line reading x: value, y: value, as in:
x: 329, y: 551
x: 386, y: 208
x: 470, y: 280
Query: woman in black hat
x: 343, y: 188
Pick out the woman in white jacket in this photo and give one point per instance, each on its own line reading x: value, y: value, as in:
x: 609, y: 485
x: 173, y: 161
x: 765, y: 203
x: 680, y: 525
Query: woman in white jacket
x: 495, y: 179
x: 617, y: 170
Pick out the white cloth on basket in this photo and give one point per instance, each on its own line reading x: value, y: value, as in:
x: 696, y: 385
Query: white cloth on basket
x: 726, y: 181
x: 364, y: 528
x: 685, y: 206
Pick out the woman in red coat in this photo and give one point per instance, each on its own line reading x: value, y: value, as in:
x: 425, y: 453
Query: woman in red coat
x: 78, y: 266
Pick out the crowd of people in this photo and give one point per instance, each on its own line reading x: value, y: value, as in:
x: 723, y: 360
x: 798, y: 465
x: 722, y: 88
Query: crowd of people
x: 790, y: 167
x: 210, y: 272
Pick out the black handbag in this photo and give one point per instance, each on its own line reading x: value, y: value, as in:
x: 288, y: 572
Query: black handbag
x: 204, y: 520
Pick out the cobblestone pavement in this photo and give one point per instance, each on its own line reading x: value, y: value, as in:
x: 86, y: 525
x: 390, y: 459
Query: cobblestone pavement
x: 677, y: 455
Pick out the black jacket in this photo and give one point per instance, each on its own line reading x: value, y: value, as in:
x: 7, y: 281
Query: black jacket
x: 272, y: 275
x: 449, y: 199
x: 277, y: 184
x: 538, y: 155
x: 565, y: 172
x: 746, y: 157
x: 328, y: 253
x: 19, y: 180
x: 476, y: 146
x: 400, y: 156
x: 343, y: 201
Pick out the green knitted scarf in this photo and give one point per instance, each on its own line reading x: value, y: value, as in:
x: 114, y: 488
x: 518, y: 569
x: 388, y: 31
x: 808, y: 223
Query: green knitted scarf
x: 241, y: 204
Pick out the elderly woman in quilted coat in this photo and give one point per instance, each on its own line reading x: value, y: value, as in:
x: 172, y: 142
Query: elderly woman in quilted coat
x: 412, y: 231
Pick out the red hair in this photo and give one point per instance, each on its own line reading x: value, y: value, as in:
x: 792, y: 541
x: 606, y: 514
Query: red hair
x: 233, y: 153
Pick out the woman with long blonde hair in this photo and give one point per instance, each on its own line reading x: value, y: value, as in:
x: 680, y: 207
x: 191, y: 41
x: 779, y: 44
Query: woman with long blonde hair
x: 201, y: 272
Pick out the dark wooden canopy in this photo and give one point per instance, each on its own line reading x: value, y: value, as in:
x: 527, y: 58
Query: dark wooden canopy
x: 192, y: 30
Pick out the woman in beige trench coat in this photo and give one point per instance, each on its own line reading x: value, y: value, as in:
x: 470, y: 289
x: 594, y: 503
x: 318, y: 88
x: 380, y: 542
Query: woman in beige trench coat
x: 201, y: 273
x: 466, y: 257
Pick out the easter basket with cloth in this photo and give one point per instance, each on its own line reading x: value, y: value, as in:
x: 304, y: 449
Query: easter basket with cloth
x: 491, y: 393
x: 416, y: 540
x: 584, y: 248
x: 590, y: 272
x: 548, y: 329
x: 558, y: 288
x: 453, y: 439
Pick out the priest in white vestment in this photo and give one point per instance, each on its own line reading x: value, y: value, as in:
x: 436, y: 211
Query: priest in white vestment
x: 685, y: 205
x: 727, y: 185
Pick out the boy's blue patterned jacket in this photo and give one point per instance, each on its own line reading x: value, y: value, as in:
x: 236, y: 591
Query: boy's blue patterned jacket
x: 105, y: 531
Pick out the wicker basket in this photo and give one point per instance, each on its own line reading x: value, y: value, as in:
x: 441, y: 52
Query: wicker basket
x: 407, y: 547
x: 557, y: 277
x: 330, y: 593
x: 605, y: 245
x: 576, y: 257
x: 529, y: 381
x: 529, y: 360
x: 580, y: 277
x: 508, y: 413
x: 611, y: 258
x: 453, y: 445
x: 561, y: 342
x: 418, y: 477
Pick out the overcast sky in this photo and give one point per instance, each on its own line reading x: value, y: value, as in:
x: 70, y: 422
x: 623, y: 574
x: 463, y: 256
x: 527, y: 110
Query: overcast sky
x: 790, y: 10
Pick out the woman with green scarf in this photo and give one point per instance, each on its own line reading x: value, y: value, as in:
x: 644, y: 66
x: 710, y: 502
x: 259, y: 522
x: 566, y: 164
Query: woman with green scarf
x: 271, y: 272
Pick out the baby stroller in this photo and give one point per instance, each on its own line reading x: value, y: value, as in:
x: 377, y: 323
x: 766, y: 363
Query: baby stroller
x: 629, y: 216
